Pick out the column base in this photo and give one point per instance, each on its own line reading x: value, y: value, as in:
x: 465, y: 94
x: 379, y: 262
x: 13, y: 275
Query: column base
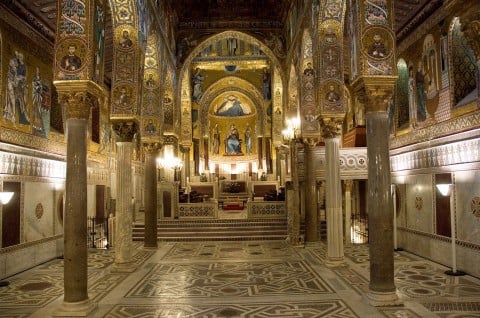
x: 123, y: 267
x: 296, y: 240
x: 150, y: 248
x: 335, y: 261
x: 382, y: 299
x: 75, y: 309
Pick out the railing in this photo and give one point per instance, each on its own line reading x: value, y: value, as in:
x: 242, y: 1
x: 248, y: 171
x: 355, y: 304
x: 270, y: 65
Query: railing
x: 98, y: 232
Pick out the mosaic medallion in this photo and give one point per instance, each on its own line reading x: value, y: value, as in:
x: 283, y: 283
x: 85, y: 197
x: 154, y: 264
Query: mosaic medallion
x: 39, y: 211
x: 475, y: 206
x: 418, y: 203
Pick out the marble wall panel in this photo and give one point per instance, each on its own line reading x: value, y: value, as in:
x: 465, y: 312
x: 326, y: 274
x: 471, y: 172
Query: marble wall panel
x: 467, y: 201
x: 38, y: 210
x: 419, y: 203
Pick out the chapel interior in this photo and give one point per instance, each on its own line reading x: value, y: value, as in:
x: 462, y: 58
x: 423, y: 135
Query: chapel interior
x: 161, y: 135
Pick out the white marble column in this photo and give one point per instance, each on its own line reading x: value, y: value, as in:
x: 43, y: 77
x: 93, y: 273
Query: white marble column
x: 333, y: 194
x: 123, y: 230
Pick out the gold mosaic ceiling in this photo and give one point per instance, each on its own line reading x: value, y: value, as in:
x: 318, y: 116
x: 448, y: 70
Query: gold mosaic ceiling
x: 42, y: 13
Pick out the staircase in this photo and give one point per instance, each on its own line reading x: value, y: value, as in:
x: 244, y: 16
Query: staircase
x: 216, y: 230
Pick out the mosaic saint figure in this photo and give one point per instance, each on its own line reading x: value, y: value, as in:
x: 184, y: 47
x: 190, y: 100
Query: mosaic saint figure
x: 411, y: 98
x: 232, y: 142
x: 216, y: 140
x: 37, y: 93
x: 71, y: 62
x: 197, y: 81
x: 266, y: 84
x: 421, y: 96
x: 248, y: 139
x: 377, y: 48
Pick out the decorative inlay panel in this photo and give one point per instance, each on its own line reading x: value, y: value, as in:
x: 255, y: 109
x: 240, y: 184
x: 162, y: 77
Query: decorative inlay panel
x: 266, y: 209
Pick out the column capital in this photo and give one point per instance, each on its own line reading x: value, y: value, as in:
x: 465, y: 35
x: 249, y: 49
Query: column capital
x: 311, y: 142
x: 152, y: 147
x: 78, y: 97
x: 125, y: 129
x: 331, y: 127
x: 375, y: 92
x: 348, y: 185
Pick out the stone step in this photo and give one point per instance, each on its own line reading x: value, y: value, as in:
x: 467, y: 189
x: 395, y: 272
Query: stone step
x: 216, y: 230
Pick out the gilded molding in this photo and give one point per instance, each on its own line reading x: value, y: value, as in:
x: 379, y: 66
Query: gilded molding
x: 441, y: 129
x: 124, y: 129
x: 331, y: 127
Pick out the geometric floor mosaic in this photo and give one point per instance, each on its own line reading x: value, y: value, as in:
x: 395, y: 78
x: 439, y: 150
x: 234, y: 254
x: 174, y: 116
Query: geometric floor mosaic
x: 238, y: 279
x: 244, y: 279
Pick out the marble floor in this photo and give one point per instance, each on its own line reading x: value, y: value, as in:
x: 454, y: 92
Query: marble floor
x: 244, y: 279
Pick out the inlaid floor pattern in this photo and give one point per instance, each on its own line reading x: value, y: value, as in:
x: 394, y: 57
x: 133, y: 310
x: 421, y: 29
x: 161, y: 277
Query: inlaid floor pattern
x: 243, y: 279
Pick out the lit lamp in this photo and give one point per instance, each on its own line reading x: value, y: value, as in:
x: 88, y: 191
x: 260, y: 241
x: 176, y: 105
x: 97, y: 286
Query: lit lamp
x: 292, y: 130
x: 5, y: 197
x: 172, y: 163
x: 446, y: 189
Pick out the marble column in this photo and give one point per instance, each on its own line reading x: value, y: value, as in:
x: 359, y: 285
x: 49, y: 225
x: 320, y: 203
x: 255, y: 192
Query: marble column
x: 382, y: 289
x: 348, y: 211
x: 186, y: 163
x: 125, y: 131
x: 293, y: 199
x: 333, y: 196
x: 311, y: 214
x: 151, y: 152
x: 77, y: 110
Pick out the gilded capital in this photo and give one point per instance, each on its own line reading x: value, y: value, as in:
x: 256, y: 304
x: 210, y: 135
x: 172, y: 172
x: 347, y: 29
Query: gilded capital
x: 151, y: 147
x: 78, y: 97
x: 348, y: 185
x: 311, y: 141
x: 331, y: 127
x: 125, y: 130
x: 378, y: 98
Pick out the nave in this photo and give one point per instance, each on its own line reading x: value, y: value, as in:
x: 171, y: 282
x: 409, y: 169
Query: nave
x: 243, y: 279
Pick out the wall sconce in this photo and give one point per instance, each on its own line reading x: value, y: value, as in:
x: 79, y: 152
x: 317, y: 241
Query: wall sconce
x: 171, y: 163
x: 293, y: 128
x: 446, y: 189
x: 5, y: 197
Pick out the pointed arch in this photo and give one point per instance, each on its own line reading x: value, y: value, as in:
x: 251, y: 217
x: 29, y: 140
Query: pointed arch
x: 184, y: 71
